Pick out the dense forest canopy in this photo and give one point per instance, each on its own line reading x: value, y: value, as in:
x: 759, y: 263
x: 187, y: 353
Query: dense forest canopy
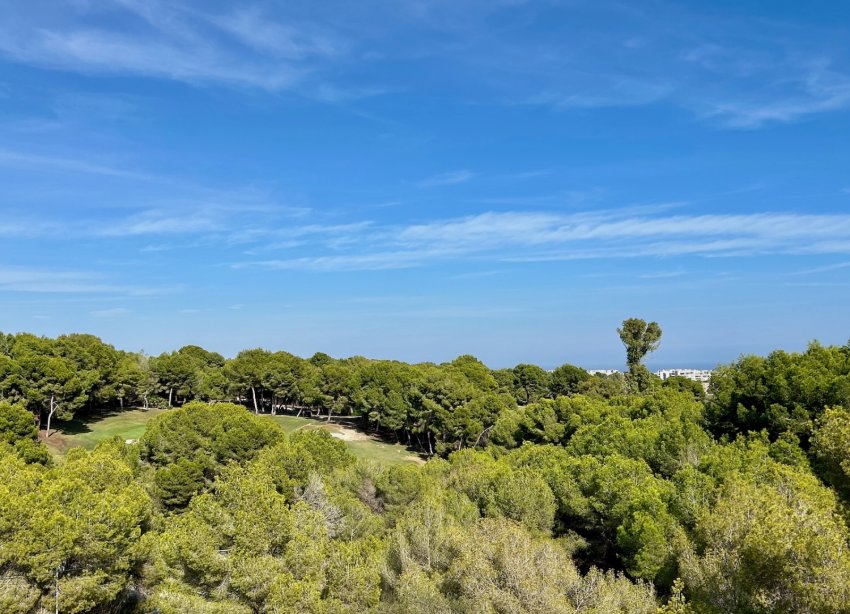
x: 433, y: 407
x: 544, y: 491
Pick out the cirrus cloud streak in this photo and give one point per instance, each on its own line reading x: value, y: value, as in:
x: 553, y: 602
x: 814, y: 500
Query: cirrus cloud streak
x: 535, y: 237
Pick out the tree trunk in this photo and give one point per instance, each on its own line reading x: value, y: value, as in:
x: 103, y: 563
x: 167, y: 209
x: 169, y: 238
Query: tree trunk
x: 57, y: 591
x: 170, y: 395
x: 50, y: 415
x: 121, y: 403
x: 254, y: 394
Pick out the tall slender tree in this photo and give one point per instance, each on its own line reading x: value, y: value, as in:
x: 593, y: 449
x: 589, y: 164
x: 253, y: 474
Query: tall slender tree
x: 640, y: 339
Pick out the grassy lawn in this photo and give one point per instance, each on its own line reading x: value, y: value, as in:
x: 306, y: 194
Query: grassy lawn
x: 130, y: 424
x: 91, y: 430
x: 360, y: 444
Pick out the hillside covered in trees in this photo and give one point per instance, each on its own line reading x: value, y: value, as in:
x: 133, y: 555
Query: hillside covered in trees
x: 544, y: 491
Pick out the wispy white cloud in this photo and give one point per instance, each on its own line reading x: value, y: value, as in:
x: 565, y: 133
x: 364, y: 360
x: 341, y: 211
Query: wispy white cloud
x: 619, y: 91
x: 204, y: 215
x: 29, y: 227
x: 540, y: 237
x: 662, y: 275
x: 163, y: 222
x: 744, y: 72
x: 532, y: 228
x: 250, y: 27
x: 444, y: 179
x: 91, y: 51
x: 276, y: 237
x: 823, y: 269
x: 29, y: 161
x: 377, y: 261
x: 479, y: 274
x: 28, y: 279
x: 741, y: 73
x: 811, y: 90
x: 166, y: 41
x: 109, y: 313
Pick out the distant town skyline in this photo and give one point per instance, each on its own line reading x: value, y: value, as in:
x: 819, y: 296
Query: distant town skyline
x: 417, y: 181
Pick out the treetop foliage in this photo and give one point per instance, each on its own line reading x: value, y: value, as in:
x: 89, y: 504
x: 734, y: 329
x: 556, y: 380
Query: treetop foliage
x: 544, y: 491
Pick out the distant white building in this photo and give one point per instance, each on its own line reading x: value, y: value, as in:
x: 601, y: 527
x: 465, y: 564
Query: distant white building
x: 698, y: 375
x: 602, y: 371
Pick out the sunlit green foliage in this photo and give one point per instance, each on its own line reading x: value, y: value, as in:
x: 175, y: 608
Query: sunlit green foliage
x: 831, y: 447
x: 190, y: 446
x: 545, y: 492
x: 783, y: 392
x: 18, y: 430
x: 77, y: 525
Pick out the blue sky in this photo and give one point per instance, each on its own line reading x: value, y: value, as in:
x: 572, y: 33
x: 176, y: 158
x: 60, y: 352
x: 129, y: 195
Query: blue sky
x: 421, y: 179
